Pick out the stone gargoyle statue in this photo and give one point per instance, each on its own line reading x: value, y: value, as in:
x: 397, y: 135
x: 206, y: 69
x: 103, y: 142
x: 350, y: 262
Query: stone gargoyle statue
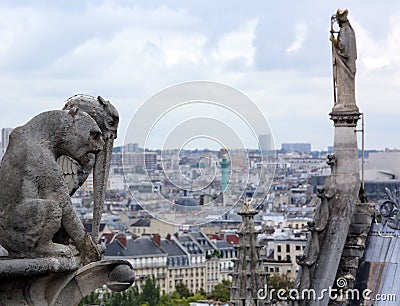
x: 34, y: 196
x: 46, y: 255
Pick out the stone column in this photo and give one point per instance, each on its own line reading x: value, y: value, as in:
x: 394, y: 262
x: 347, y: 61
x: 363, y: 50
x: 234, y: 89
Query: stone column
x: 344, y: 186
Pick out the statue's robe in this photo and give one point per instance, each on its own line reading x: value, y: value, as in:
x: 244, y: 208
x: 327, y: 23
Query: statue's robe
x: 344, y: 61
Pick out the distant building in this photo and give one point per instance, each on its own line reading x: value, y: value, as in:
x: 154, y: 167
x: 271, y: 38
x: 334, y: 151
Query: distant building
x: 265, y: 142
x: 179, y: 268
x: 213, y: 260
x: 297, y: 147
x: 146, y: 226
x: 198, y: 262
x: 228, y: 254
x: 135, y: 162
x: 381, y: 171
x: 282, y: 259
x: 145, y: 256
x: 116, y: 182
x: 190, y: 258
x: 131, y: 147
x: 382, y: 166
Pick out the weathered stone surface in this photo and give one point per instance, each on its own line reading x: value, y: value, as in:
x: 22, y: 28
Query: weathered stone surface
x: 350, y: 263
x: 34, y: 198
x: 58, y: 281
x: 341, y: 188
x: 358, y: 229
x: 344, y: 54
x: 356, y: 240
x: 353, y: 252
x: 38, y: 265
x: 3, y: 252
x: 248, y: 276
x: 362, y: 218
x: 14, y: 268
x: 107, y: 118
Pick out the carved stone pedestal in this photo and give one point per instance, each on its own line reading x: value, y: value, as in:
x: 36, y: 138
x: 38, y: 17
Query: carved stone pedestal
x: 59, y: 281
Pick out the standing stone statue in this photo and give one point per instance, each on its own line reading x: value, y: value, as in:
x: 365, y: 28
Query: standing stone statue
x: 344, y: 55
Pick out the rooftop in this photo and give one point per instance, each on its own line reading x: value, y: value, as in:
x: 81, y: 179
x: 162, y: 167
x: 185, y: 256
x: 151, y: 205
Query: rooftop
x: 139, y: 247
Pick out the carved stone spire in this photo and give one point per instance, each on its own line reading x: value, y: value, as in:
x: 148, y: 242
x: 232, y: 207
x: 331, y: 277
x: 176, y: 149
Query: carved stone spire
x: 249, y: 275
x: 339, y: 195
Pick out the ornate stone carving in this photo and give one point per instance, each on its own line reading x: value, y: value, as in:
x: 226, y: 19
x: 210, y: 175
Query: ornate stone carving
x: 248, y: 275
x: 339, y: 195
x: 34, y: 198
x: 345, y: 119
x: 389, y: 209
x: 107, y: 118
x: 37, y: 268
x: 344, y: 55
x: 331, y: 160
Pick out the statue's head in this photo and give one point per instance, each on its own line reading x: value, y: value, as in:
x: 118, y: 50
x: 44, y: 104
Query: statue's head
x: 81, y: 137
x: 107, y: 118
x: 342, y: 15
x: 101, y: 110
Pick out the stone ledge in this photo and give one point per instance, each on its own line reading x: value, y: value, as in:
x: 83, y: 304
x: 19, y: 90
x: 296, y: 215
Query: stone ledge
x: 59, y: 281
x: 353, y: 252
x: 14, y: 268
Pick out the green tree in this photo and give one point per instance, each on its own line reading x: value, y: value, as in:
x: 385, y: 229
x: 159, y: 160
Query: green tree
x: 125, y: 298
x: 202, y: 292
x: 279, y: 281
x: 151, y: 292
x: 131, y: 297
x: 167, y: 300
x: 91, y: 299
x: 182, y: 290
x: 114, y: 298
x: 221, y: 292
x: 197, y: 296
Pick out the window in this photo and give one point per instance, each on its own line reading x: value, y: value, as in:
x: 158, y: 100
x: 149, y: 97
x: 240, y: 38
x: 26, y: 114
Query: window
x: 276, y: 269
x: 279, y: 257
x: 288, y: 248
x: 298, y: 247
x: 279, y: 248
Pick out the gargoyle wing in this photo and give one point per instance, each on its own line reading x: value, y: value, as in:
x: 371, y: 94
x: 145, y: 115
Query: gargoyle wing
x: 74, y: 174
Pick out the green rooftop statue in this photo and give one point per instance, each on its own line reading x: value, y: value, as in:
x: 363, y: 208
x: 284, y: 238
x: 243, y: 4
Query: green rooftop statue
x: 344, y: 55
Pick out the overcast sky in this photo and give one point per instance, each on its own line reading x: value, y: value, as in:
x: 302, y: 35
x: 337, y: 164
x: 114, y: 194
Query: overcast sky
x: 276, y: 52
